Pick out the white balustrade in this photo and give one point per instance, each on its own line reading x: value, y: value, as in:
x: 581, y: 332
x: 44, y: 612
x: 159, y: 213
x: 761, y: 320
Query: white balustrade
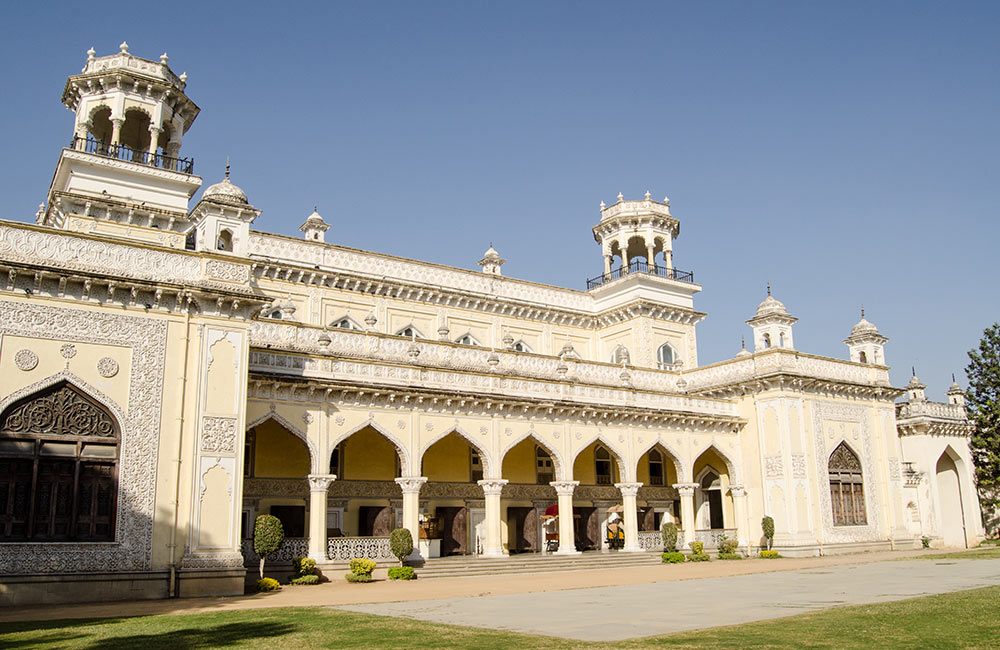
x: 291, y: 547
x: 650, y: 540
x: 344, y: 549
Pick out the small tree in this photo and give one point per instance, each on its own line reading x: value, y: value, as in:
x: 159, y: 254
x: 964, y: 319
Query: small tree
x: 401, y: 543
x: 268, y: 534
x: 984, y: 411
x: 767, y: 524
x: 669, y: 533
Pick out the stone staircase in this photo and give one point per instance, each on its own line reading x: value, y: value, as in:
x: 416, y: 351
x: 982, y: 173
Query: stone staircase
x: 467, y: 566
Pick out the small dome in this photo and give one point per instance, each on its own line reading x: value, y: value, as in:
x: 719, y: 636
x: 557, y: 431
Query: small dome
x: 491, y: 253
x: 914, y: 383
x: 314, y: 220
x: 226, y: 192
x: 863, y: 327
x: 743, y: 353
x: 770, y: 306
x: 955, y: 388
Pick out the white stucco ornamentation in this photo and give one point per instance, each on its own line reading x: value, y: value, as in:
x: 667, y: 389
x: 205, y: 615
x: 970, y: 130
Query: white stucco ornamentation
x: 26, y: 359
x: 107, y: 367
x: 218, y: 434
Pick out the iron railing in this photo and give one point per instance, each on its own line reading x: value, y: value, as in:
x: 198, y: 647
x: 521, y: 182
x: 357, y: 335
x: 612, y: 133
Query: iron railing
x: 641, y: 266
x: 121, y: 152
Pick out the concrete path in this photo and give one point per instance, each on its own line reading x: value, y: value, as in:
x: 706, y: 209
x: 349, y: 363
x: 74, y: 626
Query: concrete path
x: 638, y: 610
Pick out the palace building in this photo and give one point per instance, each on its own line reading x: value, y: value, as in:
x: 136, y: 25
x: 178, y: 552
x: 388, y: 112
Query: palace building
x: 168, y: 373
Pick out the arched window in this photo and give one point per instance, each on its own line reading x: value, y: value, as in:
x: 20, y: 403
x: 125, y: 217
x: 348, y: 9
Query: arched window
x: 345, y: 323
x: 781, y: 339
x: 337, y: 461
x: 862, y: 357
x: 602, y: 466
x: 411, y: 332
x: 58, y: 468
x: 544, y: 470
x: 711, y: 488
x: 520, y: 346
x: 467, y: 339
x: 847, y: 491
x: 225, y: 241
x: 767, y: 341
x: 666, y: 357
x: 620, y: 355
x: 656, y: 476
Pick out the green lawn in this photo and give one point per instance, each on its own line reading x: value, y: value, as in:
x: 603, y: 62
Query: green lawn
x: 982, y: 552
x: 965, y: 619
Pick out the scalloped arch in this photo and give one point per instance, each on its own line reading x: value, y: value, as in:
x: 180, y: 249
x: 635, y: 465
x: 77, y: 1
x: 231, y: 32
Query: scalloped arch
x: 314, y: 459
x: 556, y: 456
x: 401, y: 450
x: 623, y: 472
x: 679, y: 468
x: 731, y: 467
x: 488, y: 464
x: 80, y: 384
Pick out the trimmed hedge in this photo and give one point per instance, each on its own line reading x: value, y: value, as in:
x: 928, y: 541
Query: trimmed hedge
x: 303, y: 566
x: 697, y: 548
x: 402, y: 573
x: 401, y: 543
x: 767, y: 526
x: 672, y: 558
x: 699, y: 557
x: 728, y: 546
x: 361, y: 566
x: 769, y: 555
x: 268, y: 584
x: 359, y: 577
x: 730, y: 556
x: 309, y: 579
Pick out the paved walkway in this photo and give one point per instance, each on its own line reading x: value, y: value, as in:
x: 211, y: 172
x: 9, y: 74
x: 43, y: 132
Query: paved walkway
x: 629, y: 611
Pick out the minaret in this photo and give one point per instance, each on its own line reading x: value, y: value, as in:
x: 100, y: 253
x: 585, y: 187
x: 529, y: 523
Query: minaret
x: 636, y: 232
x: 123, y: 163
x: 491, y: 261
x: 222, y: 218
x: 314, y: 227
x: 865, y: 344
x: 772, y: 325
x: 914, y: 389
x: 955, y: 393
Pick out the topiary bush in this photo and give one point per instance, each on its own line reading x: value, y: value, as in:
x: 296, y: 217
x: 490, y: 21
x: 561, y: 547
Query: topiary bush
x: 268, y: 584
x: 361, y: 566
x: 699, y: 557
x: 268, y: 533
x: 308, y: 579
x: 730, y: 556
x: 304, y: 566
x: 672, y: 558
x: 769, y: 555
x: 669, y: 533
x: 402, y: 573
x: 697, y: 548
x: 401, y: 543
x: 356, y: 577
x: 728, y: 546
x: 767, y: 525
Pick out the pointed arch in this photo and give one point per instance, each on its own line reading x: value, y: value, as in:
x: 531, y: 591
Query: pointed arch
x: 79, y: 384
x: 468, y: 339
x: 620, y: 355
x: 671, y: 453
x: 404, y: 454
x: 345, y: 322
x: 410, y: 331
x: 484, y: 455
x: 731, y: 467
x: 520, y: 346
x: 845, y: 475
x: 556, y: 456
x: 619, y: 457
x: 315, y: 466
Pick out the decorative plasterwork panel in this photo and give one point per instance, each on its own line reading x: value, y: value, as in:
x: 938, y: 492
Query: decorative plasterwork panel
x: 146, y: 337
x: 826, y: 418
x: 227, y: 271
x: 773, y: 466
x: 218, y: 434
x: 798, y: 465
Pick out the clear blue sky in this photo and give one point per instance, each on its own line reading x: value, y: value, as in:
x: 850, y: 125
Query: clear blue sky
x: 846, y: 152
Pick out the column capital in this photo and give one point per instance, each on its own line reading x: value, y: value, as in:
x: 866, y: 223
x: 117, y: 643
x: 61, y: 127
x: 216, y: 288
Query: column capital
x: 492, y: 486
x: 320, y: 482
x: 629, y: 489
x: 411, y: 484
x: 685, y: 489
x: 737, y: 490
x: 564, y: 488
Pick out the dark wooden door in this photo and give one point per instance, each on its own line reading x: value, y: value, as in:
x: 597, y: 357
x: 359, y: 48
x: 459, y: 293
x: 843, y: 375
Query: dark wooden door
x: 585, y: 527
x: 715, y: 508
x: 647, y: 520
x: 523, y: 523
x: 369, y: 518
x: 293, y: 519
x: 454, y: 530
x: 383, y: 523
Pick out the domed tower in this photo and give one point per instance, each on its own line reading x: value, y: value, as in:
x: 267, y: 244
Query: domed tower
x: 955, y: 393
x: 222, y: 218
x: 772, y: 325
x: 123, y: 164
x: 865, y: 343
x: 640, y: 234
x: 491, y: 261
x: 315, y: 228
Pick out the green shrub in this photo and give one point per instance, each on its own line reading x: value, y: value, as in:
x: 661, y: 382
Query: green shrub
x: 669, y: 533
x: 303, y: 566
x: 769, y: 555
x: 767, y: 524
x: 268, y: 534
x: 672, y: 558
x: 730, y: 556
x: 697, y: 547
x: 355, y: 577
x: 362, y: 567
x: 699, y: 557
x: 728, y: 546
x: 402, y: 573
x: 926, y: 542
x: 401, y: 543
x: 308, y: 579
x: 268, y: 584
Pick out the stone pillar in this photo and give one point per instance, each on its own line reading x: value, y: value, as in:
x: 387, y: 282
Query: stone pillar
x: 318, y: 485
x: 492, y: 487
x: 686, y: 492
x: 668, y: 258
x: 567, y: 536
x: 740, y: 512
x: 608, y: 261
x: 82, y: 129
x: 651, y: 260
x: 116, y: 130
x: 154, y: 139
x: 411, y: 507
x: 629, y: 490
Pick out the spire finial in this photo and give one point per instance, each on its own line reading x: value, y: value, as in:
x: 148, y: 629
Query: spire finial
x: 227, y: 168
x: 315, y: 207
x: 862, y: 312
x: 647, y: 195
x: 769, y: 288
x: 913, y: 369
x: 743, y: 342
x: 953, y: 378
x: 123, y: 47
x: 620, y: 197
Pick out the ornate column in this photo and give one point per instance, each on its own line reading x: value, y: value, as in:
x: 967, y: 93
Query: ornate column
x: 492, y: 487
x: 82, y: 129
x: 567, y: 536
x: 154, y: 138
x: 318, y: 484
x: 668, y: 258
x: 651, y: 260
x: 629, y: 490
x: 608, y: 261
x: 411, y: 507
x: 116, y: 130
x: 740, y: 512
x: 686, y: 492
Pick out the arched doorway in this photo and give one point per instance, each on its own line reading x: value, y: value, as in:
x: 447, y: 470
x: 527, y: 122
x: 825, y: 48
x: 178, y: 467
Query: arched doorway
x: 529, y: 467
x: 949, y: 492
x: 714, y: 510
x: 455, y: 502
x: 275, y: 464
x: 598, y: 468
x: 657, y: 471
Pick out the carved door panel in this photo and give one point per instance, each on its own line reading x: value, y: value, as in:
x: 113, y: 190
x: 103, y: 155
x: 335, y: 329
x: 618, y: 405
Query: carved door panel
x: 529, y: 533
x: 383, y: 523
x: 523, y: 525
x: 454, y: 530
x: 648, y: 520
x: 585, y: 525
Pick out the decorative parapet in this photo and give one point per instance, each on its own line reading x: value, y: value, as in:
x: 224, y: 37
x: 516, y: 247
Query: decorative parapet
x: 931, y: 409
x: 345, y: 549
x: 650, y: 540
x: 932, y: 418
x: 125, y: 62
x: 775, y: 367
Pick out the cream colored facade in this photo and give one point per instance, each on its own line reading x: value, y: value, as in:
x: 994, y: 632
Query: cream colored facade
x: 349, y: 392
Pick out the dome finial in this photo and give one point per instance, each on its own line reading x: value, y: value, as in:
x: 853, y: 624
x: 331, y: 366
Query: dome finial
x: 913, y: 370
x: 743, y: 342
x: 621, y: 197
x: 862, y: 312
x: 769, y: 288
x: 227, y: 168
x: 123, y: 47
x: 647, y: 195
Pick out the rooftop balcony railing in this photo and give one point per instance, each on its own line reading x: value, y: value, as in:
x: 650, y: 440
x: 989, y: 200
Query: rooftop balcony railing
x: 641, y: 266
x: 121, y: 152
